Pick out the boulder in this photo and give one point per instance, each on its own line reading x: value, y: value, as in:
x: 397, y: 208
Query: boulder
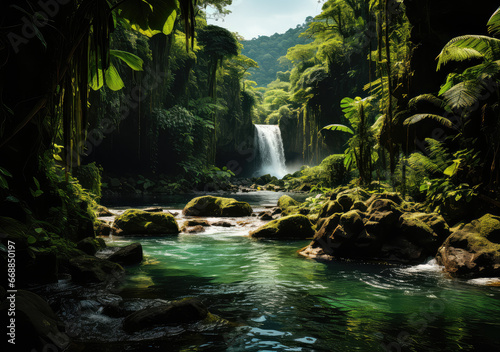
x: 153, y: 210
x: 36, y: 325
x: 264, y: 180
x: 379, y: 230
x: 329, y: 208
x: 193, y: 229
x: 102, y: 228
x: 184, y: 311
x: 265, y: 216
x: 393, y: 196
x: 222, y: 224
x: 473, y: 250
x: 139, y: 222
x: 217, y: 207
x: 103, y: 211
x: 196, y: 222
x: 425, y: 230
x: 88, y: 269
x: 91, y: 245
x: 284, y: 202
x: 276, y: 211
x: 128, y: 255
x: 289, y: 227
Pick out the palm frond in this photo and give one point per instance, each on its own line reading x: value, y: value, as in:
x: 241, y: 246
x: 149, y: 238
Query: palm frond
x: 337, y: 127
x: 454, y: 53
x: 426, y: 99
x: 443, y: 121
x: 463, y: 95
x: 469, y: 47
x: 494, y: 23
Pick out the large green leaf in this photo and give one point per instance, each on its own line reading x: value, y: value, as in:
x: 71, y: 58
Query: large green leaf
x: 133, y: 61
x: 463, y: 95
x: 494, y: 23
x: 455, y: 53
x: 97, y: 80
x: 113, y: 79
x: 152, y: 16
x: 164, y: 15
x: 443, y: 121
x: 468, y: 47
x: 337, y: 127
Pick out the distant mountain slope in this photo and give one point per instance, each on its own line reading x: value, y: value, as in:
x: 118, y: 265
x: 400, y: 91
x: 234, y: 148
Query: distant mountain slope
x: 266, y: 51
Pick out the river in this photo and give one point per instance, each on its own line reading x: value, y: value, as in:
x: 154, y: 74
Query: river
x: 277, y: 300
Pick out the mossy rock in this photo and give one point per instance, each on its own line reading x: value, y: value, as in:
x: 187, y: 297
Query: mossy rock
x: 88, y: 269
x: 127, y: 255
x: 101, y: 210
x: 290, y: 227
x: 217, y: 207
x: 473, y: 250
x: 489, y: 227
x: 393, y: 196
x: 352, y: 222
x: 91, y: 245
x: 139, y: 222
x: 427, y: 231
x: 359, y: 205
x: 286, y: 201
x: 329, y: 208
x: 291, y: 211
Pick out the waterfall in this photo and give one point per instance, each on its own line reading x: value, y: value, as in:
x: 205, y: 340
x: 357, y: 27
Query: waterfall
x: 270, y: 149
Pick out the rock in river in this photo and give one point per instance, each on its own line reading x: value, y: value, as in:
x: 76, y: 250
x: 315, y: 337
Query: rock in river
x: 88, y: 269
x: 217, y: 206
x: 379, y: 229
x: 474, y: 250
x: 289, y: 227
x: 139, y: 222
x: 187, y: 310
x: 127, y: 255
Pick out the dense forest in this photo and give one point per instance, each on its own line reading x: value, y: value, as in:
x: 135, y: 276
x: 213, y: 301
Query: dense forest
x: 267, y: 51
x: 385, y: 115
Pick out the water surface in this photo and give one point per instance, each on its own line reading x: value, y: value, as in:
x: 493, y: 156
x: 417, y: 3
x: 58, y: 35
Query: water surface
x: 279, y: 301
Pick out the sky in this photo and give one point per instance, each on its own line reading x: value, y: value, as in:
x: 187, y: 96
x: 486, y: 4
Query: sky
x: 251, y: 18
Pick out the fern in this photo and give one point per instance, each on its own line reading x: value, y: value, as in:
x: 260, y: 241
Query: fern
x: 494, y: 23
x: 414, y: 103
x: 463, y: 94
x: 415, y: 119
x: 468, y: 47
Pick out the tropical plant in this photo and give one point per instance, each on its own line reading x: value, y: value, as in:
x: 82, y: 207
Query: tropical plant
x: 361, y: 145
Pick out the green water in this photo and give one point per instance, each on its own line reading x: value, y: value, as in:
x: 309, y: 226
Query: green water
x: 287, y: 303
x: 279, y: 301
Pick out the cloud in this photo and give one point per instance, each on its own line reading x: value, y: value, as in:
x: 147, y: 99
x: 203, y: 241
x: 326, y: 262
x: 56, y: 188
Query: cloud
x: 251, y: 18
